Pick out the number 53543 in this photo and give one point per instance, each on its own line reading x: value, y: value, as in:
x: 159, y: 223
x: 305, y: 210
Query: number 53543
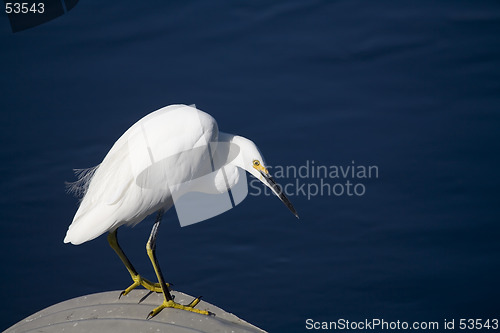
x: 24, y: 8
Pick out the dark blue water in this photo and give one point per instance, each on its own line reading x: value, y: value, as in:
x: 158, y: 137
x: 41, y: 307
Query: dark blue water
x: 410, y: 87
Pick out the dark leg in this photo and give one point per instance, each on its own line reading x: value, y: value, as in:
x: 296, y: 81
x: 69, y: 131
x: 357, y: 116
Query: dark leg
x: 138, y: 280
x: 168, y: 301
x: 151, y: 249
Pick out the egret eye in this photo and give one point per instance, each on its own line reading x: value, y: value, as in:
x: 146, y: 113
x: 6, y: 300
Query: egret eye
x: 256, y: 163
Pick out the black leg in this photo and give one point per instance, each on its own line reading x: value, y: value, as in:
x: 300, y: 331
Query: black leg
x: 113, y: 242
x: 168, y: 301
x: 151, y: 249
x: 138, y: 280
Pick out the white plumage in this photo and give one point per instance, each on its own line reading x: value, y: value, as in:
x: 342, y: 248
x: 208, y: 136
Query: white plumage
x: 153, y: 159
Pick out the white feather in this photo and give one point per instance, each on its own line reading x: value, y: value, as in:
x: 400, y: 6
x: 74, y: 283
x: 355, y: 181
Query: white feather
x: 157, y: 156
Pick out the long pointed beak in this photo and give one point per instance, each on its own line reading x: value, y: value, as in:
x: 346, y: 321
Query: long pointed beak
x: 279, y: 193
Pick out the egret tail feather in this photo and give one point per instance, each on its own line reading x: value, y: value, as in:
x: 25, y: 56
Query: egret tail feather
x: 79, y: 188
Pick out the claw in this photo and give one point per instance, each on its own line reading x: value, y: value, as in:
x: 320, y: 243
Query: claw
x: 172, y: 304
x: 194, y: 302
x: 140, y: 281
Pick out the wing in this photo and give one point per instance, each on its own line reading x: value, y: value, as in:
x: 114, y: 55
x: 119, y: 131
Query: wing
x: 142, y: 168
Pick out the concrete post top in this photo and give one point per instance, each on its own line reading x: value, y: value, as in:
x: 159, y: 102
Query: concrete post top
x: 105, y: 312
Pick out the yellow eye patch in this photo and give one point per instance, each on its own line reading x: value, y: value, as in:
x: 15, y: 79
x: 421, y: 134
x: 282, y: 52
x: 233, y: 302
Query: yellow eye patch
x: 258, y: 166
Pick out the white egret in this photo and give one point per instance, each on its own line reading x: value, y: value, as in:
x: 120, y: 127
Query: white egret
x: 160, y: 158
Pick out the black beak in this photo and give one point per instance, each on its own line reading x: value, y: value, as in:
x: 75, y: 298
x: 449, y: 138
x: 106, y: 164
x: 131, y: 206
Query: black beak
x: 279, y: 193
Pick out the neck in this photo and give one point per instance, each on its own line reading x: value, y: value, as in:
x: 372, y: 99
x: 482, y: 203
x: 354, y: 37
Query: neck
x: 229, y: 149
x: 225, y: 137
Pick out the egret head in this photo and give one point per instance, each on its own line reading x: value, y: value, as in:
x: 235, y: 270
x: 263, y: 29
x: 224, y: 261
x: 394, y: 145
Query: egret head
x: 251, y: 160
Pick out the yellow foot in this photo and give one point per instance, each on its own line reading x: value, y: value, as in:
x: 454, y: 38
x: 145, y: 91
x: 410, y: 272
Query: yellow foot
x: 172, y: 304
x: 140, y: 281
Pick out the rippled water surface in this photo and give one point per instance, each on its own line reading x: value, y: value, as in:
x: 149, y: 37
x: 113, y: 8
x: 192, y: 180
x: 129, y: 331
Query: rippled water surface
x: 409, y: 87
